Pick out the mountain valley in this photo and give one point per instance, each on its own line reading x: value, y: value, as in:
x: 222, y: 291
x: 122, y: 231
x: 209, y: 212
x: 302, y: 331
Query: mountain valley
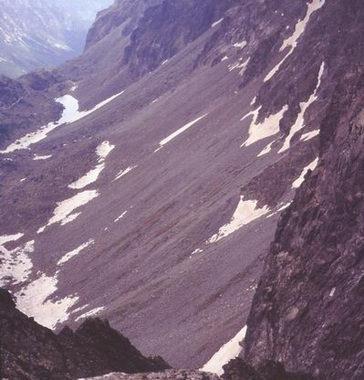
x: 196, y: 178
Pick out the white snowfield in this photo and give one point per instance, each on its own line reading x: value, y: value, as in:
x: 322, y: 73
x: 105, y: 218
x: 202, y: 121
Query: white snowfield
x: 179, y: 131
x: 16, y: 266
x: 227, y: 352
x: 245, y: 213
x: 34, y: 300
x: 103, y: 150
x: 312, y: 166
x: 300, y: 121
x: 63, y: 213
x: 267, y: 128
x: 68, y: 256
x: 70, y: 114
x: 292, y: 41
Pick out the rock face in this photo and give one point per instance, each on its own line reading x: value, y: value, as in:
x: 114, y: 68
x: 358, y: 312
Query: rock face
x: 308, y: 309
x: 168, y: 28
x: 30, y: 351
x: 125, y: 13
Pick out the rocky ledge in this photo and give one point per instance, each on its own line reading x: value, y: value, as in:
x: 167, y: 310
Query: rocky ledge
x: 31, y: 351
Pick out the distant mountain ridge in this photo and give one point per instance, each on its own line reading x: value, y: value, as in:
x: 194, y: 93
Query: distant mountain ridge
x: 43, y: 33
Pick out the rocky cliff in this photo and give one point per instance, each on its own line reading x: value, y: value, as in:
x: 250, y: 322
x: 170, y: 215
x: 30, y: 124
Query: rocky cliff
x: 308, y: 309
x: 30, y: 351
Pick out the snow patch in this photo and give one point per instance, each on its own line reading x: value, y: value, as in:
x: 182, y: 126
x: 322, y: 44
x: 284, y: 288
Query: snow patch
x: 8, y: 238
x: 312, y: 166
x: 34, y: 300
x: 16, y: 266
x: 284, y: 206
x: 269, y: 126
x: 120, y: 217
x: 266, y: 150
x: 245, y: 213
x: 240, y: 45
x: 124, y: 172
x: 300, y: 121
x: 65, y: 208
x: 179, y: 131
x: 88, y: 178
x: 103, y: 150
x: 216, y: 23
x: 310, y: 135
x: 227, y: 352
x: 196, y: 251
x: 70, y: 218
x: 240, y: 64
x: 292, y: 41
x: 69, y: 115
x: 39, y: 158
x: 68, y: 256
x: 90, y: 313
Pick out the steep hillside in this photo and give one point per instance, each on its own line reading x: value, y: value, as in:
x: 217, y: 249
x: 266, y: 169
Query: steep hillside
x: 39, y: 33
x: 152, y: 198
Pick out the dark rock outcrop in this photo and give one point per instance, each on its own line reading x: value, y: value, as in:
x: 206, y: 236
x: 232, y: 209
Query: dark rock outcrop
x: 309, y: 306
x: 166, y: 29
x: 238, y: 369
x: 166, y: 375
x: 30, y: 351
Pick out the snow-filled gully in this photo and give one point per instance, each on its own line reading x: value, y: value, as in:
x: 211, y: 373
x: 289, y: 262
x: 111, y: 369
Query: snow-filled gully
x: 292, y: 42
